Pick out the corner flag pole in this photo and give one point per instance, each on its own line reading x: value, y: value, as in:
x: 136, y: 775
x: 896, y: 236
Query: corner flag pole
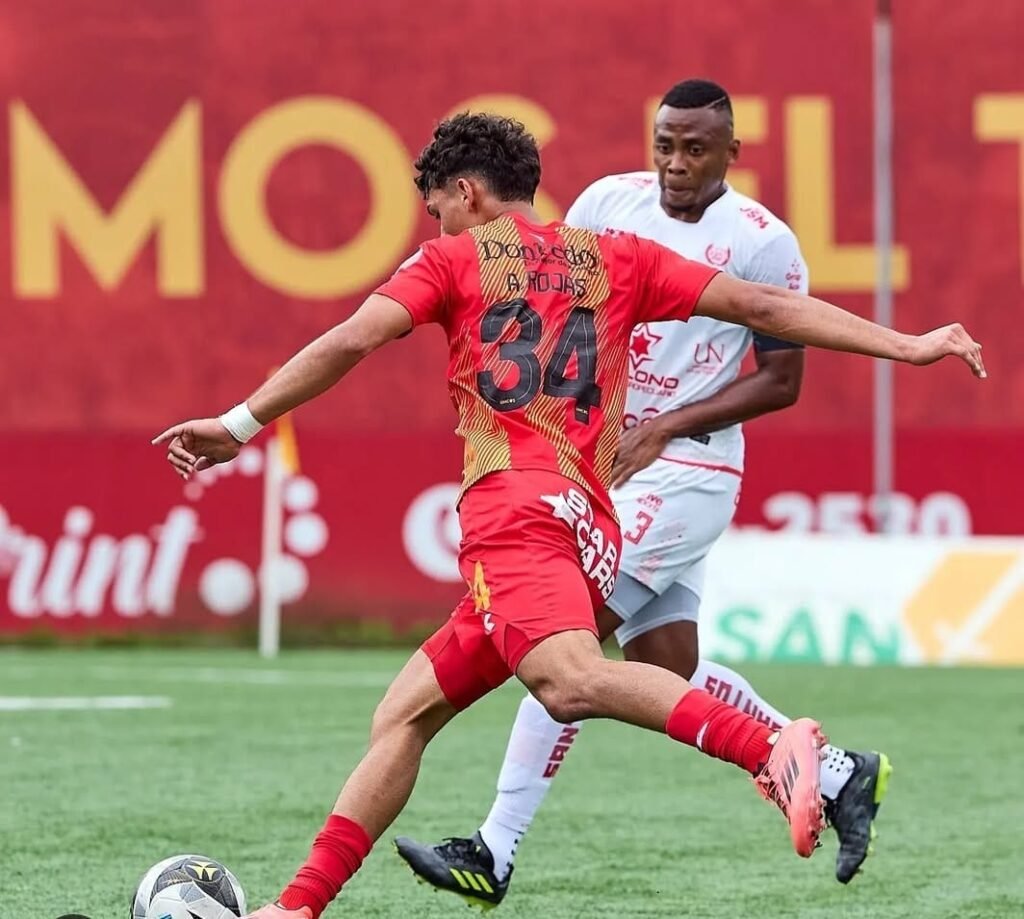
x: 281, y: 459
x: 883, y: 439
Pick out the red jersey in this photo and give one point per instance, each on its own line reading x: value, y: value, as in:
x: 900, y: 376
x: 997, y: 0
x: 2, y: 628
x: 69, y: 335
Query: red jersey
x: 538, y: 319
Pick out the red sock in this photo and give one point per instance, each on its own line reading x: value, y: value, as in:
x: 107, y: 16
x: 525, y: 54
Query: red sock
x: 337, y: 853
x: 717, y: 729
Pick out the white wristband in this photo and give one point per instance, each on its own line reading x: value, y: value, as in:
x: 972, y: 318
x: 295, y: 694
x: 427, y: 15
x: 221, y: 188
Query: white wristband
x: 240, y: 423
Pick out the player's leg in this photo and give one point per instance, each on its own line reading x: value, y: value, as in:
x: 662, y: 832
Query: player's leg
x: 573, y: 680
x: 570, y: 680
x: 853, y: 784
x: 537, y: 596
x: 537, y: 747
x: 730, y: 686
x: 664, y: 633
x: 413, y: 710
x: 440, y: 679
x: 538, y: 744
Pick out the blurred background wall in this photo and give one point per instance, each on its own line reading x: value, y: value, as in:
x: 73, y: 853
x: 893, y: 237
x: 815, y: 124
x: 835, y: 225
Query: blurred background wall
x: 193, y: 190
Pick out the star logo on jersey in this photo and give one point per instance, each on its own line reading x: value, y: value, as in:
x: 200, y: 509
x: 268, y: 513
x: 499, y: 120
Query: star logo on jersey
x: 640, y: 345
x: 718, y: 256
x: 560, y: 508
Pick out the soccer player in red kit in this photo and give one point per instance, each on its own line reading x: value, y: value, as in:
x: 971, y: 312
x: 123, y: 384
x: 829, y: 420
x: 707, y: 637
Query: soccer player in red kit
x: 538, y: 317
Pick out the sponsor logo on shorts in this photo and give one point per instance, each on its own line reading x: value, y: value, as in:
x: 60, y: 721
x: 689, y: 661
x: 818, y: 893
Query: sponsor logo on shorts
x: 482, y: 596
x: 650, y: 501
x: 599, y: 555
x: 481, y: 592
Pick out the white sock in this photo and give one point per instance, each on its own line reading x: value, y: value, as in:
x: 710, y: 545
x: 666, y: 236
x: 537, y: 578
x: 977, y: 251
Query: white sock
x: 836, y: 768
x: 730, y: 687
x: 536, y: 748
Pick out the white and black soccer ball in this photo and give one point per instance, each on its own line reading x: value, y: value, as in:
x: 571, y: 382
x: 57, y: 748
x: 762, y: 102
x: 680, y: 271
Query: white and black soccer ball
x: 188, y: 887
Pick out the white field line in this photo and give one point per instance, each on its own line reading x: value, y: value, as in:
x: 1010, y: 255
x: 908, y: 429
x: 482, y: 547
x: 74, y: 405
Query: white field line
x: 80, y: 703
x: 221, y: 675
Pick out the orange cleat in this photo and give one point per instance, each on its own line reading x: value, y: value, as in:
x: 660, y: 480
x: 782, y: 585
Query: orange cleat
x: 790, y: 779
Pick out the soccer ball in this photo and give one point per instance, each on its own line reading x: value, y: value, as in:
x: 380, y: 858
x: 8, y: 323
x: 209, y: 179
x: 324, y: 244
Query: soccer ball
x: 188, y: 887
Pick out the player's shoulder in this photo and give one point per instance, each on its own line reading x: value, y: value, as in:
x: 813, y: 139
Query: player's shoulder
x: 446, y: 249
x: 440, y: 257
x: 755, y: 223
x: 634, y: 186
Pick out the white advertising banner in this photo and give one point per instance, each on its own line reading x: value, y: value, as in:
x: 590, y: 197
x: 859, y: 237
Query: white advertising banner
x: 826, y: 598
x: 864, y: 600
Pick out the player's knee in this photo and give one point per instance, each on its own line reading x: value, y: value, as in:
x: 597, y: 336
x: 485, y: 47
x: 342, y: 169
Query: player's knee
x: 565, y: 707
x: 393, y: 715
x: 385, y: 719
x: 570, y: 697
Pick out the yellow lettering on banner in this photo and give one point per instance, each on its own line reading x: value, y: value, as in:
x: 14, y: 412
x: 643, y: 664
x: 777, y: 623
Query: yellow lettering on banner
x: 650, y: 113
x: 538, y: 122
x: 999, y: 118
x: 163, y: 200
x: 750, y: 117
x: 241, y: 197
x: 810, y: 205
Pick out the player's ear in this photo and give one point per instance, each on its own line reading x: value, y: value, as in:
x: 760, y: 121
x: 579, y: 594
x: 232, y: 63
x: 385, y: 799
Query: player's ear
x: 734, y: 151
x: 467, y: 192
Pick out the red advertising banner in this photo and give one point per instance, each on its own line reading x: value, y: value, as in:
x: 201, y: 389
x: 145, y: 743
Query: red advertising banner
x: 193, y: 191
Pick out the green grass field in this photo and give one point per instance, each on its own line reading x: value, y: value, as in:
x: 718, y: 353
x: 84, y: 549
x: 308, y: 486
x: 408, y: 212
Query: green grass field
x: 247, y: 758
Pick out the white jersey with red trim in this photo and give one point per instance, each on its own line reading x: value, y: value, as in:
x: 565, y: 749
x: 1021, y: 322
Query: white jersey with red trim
x: 676, y: 363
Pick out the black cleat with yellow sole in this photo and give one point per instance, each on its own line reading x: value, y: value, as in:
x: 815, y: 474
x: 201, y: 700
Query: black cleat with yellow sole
x: 461, y: 866
x: 853, y: 813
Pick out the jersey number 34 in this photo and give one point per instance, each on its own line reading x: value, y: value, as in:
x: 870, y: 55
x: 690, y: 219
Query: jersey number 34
x: 578, y: 337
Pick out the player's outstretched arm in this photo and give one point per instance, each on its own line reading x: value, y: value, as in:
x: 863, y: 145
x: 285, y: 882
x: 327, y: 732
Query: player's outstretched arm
x: 203, y: 442
x: 795, y: 317
x: 323, y: 362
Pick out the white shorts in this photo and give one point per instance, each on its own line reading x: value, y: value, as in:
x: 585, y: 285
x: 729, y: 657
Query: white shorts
x: 671, y: 516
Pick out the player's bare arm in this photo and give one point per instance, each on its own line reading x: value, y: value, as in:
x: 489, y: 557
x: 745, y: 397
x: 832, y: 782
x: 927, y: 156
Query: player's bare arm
x: 798, y: 318
x: 203, y: 442
x: 774, y: 385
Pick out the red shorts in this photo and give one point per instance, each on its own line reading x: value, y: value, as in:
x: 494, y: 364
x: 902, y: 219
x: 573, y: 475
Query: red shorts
x: 539, y: 556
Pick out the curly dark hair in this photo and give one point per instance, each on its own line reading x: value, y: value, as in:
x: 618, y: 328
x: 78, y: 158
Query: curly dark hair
x: 499, y: 151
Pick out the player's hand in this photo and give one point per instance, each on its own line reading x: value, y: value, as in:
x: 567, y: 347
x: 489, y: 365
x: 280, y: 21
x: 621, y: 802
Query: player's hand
x: 639, y: 447
x: 198, y: 444
x: 949, y: 340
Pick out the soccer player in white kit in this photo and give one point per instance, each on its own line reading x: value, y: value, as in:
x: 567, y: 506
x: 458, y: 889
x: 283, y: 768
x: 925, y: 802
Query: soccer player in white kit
x: 676, y: 480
